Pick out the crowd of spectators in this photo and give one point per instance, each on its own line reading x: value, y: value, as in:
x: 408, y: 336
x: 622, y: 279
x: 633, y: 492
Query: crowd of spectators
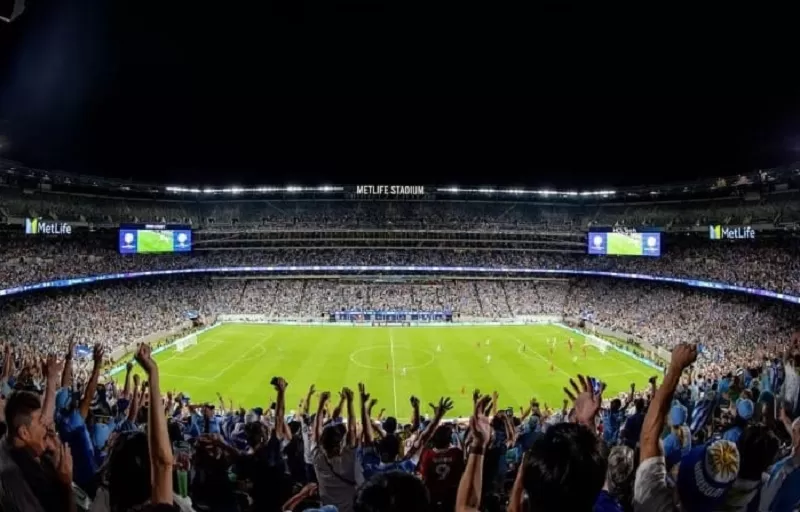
x: 337, y: 213
x: 689, y: 442
x: 24, y: 260
x: 718, y: 431
x: 733, y: 328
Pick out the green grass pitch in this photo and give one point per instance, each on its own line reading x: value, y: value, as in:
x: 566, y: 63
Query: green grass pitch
x: 154, y: 241
x: 625, y: 244
x: 238, y: 360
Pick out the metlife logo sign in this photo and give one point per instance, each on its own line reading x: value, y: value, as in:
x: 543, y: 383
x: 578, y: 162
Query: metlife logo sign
x: 719, y: 232
x: 36, y: 226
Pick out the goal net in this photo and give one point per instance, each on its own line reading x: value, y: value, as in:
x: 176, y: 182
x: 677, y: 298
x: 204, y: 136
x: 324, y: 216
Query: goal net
x: 598, y: 343
x: 184, y: 343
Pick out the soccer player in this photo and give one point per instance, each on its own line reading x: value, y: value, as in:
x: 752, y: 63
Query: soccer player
x: 570, y: 343
x: 441, y: 467
x: 488, y: 341
x: 584, y: 352
x: 552, y: 367
x: 403, y: 373
x: 488, y: 359
x: 438, y: 348
x: 387, y: 367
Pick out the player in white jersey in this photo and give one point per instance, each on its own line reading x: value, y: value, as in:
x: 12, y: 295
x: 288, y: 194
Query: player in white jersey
x: 403, y: 372
x: 488, y: 341
x: 438, y: 348
x: 488, y: 359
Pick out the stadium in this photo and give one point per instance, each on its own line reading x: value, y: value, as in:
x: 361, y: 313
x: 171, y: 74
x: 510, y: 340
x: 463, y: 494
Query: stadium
x: 417, y: 291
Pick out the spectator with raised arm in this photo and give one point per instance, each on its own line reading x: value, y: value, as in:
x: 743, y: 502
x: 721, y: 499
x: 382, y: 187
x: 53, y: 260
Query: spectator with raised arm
x: 705, y: 473
x: 335, y: 461
x: 388, y: 460
x: 565, y: 469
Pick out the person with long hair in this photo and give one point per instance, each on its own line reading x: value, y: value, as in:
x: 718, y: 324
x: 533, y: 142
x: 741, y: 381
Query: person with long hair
x: 679, y: 440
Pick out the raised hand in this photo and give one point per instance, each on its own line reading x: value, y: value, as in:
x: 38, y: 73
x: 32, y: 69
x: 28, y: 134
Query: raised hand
x: 683, y: 356
x: 280, y: 384
x: 445, y: 404
x: 347, y: 393
x: 52, y: 367
x: 372, y: 403
x: 480, y: 427
x: 362, y: 393
x: 136, y: 379
x: 586, y: 401
x: 324, y: 397
x: 312, y: 390
x: 414, y: 402
x: 129, y: 366
x: 144, y: 358
x: 476, y: 394
x: 98, y: 354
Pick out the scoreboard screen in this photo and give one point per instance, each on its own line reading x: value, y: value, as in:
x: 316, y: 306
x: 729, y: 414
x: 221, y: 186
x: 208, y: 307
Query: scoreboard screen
x: 625, y: 244
x: 154, y: 238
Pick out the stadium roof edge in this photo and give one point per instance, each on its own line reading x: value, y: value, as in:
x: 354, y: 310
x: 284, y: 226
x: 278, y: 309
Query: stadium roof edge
x: 787, y: 175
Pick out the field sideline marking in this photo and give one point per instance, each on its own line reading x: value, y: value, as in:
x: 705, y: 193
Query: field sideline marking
x: 394, y: 376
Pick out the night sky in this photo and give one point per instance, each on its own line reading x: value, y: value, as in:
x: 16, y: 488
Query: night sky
x: 364, y: 92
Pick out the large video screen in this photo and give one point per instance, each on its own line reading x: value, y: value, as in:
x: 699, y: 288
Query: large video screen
x: 625, y: 244
x: 138, y: 241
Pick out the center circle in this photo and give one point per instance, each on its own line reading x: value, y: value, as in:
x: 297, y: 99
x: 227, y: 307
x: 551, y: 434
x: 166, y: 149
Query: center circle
x: 386, y: 350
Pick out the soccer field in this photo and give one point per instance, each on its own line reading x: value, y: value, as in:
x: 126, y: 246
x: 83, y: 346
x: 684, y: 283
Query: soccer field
x: 238, y: 360
x: 625, y: 244
x: 154, y: 241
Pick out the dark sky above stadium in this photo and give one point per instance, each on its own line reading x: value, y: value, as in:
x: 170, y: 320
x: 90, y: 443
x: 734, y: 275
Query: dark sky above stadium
x: 297, y: 92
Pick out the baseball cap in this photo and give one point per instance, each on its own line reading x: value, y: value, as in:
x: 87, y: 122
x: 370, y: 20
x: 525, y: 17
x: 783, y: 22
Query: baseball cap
x: 705, y: 473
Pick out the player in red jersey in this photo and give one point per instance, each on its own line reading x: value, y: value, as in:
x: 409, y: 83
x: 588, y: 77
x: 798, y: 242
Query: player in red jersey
x: 441, y: 468
x: 552, y: 367
x: 387, y: 367
x: 463, y: 389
